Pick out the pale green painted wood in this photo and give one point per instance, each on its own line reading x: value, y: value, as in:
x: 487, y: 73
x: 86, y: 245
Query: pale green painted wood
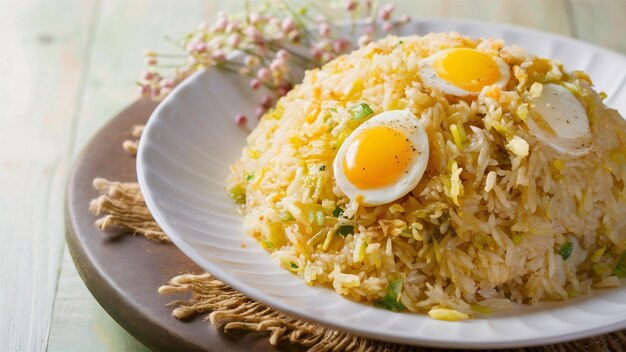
x: 123, y: 31
x: 601, y: 21
x: 41, y: 65
x: 80, y: 324
x: 125, y: 28
x: 549, y: 15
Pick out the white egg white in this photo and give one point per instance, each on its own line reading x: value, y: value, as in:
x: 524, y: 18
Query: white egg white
x: 410, y: 126
x: 430, y: 78
x: 566, y: 118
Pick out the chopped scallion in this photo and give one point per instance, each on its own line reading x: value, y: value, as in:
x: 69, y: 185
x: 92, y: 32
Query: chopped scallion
x: 566, y: 250
x: 360, y: 111
x: 345, y: 230
x: 620, y: 267
x: 337, y: 212
x: 238, y: 194
x: 391, y: 301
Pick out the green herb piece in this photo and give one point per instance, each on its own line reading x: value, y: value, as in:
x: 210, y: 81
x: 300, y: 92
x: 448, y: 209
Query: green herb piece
x: 337, y: 212
x: 360, y: 111
x: 238, y: 194
x: 285, y: 216
x: 323, y: 167
x: 249, y: 177
x: 345, y: 230
x: 566, y: 250
x: 391, y: 301
x: 267, y: 244
x: 294, y: 265
x: 620, y: 267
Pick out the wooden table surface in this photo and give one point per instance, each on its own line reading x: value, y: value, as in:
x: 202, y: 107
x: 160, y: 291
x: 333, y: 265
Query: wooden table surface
x: 67, y: 66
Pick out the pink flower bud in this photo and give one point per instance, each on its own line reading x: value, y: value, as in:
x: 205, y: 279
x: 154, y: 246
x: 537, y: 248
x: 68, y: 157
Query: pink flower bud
x: 351, y: 5
x: 241, y: 120
x: 288, y: 25
x: 273, y: 21
x: 277, y: 65
x: 203, y: 27
x: 283, y: 89
x: 282, y: 54
x: 341, y: 45
x: 221, y: 24
x: 251, y: 60
x: 324, y: 30
x: 155, y: 93
x: 316, y: 52
x: 200, y: 47
x: 404, y: 19
x: 144, y: 90
x: 364, y: 40
x: 219, y: 56
x: 166, y: 83
x: 261, y: 50
x: 383, y: 15
x: 294, y: 36
x: 259, y: 111
x: 266, y: 102
x: 255, y: 18
x: 151, y: 60
x: 255, y: 84
x: 231, y: 27
x: 253, y: 34
x: 327, y: 57
x: 264, y: 74
x: 369, y: 30
x: 234, y: 40
x: 385, y: 12
x: 147, y: 75
x: 387, y: 26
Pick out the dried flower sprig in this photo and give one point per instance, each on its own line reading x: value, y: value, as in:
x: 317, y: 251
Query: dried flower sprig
x: 271, y: 40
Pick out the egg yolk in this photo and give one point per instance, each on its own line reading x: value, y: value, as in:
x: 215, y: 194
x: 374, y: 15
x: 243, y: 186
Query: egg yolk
x: 468, y: 69
x: 377, y: 157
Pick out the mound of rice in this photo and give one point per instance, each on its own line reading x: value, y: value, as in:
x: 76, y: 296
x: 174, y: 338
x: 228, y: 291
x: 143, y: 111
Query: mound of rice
x: 490, y: 220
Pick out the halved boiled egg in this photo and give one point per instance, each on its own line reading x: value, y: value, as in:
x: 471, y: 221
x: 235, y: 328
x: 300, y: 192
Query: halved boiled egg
x: 463, y: 71
x: 559, y: 120
x: 383, y: 159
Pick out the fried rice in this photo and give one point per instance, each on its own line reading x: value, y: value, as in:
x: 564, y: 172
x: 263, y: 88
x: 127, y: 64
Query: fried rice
x: 488, y: 222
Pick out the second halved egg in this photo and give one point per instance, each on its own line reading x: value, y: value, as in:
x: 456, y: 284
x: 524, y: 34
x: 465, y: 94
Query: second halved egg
x: 463, y: 71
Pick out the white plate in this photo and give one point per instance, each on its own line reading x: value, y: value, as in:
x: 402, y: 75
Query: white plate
x: 183, y: 161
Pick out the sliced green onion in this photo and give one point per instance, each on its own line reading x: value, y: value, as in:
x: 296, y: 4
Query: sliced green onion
x: 285, y: 216
x: 360, y: 111
x: 345, y: 230
x: 391, y: 301
x: 323, y: 167
x: 566, y: 250
x: 238, y: 194
x: 620, y: 267
x: 294, y: 265
x: 337, y: 212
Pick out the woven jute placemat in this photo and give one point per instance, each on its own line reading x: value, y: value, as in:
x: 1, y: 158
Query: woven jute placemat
x: 121, y: 206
